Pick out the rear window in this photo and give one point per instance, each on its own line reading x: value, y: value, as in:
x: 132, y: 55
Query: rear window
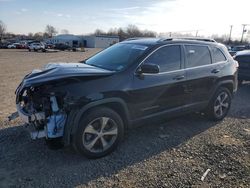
x: 197, y: 56
x: 218, y: 55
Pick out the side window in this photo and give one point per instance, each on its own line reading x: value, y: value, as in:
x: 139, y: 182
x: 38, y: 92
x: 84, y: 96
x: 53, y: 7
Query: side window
x: 218, y: 55
x: 168, y: 58
x: 197, y: 55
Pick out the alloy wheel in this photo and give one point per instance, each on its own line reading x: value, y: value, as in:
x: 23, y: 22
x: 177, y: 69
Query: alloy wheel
x: 221, y: 104
x: 100, y: 134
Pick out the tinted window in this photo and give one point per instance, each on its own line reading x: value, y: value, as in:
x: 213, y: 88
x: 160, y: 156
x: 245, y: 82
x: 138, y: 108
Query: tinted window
x: 168, y: 58
x: 197, y: 55
x: 117, y: 57
x: 218, y: 55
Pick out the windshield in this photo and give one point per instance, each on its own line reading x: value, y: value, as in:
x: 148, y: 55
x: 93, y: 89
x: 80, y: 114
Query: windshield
x: 117, y: 57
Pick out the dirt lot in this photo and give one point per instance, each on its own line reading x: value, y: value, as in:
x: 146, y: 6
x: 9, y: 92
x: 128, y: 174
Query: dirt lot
x: 173, y: 153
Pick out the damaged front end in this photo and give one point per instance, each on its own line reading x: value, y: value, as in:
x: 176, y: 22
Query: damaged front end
x: 45, y: 97
x: 42, y: 112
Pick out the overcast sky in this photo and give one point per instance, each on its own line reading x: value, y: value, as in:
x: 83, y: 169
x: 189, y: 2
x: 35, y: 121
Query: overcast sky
x: 84, y: 16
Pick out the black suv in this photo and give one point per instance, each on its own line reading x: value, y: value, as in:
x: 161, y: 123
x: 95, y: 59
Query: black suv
x: 90, y: 104
x: 243, y: 58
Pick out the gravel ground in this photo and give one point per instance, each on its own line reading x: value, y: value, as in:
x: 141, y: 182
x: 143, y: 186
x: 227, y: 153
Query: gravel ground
x: 173, y: 153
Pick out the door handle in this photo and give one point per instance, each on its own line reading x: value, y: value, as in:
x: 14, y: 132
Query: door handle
x: 215, y: 71
x: 180, y: 77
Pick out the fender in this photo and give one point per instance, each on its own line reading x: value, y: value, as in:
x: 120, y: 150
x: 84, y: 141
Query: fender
x: 219, y: 84
x: 75, y: 116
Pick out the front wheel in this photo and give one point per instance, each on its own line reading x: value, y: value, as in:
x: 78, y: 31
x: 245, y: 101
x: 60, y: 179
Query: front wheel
x: 99, y: 132
x: 219, y: 105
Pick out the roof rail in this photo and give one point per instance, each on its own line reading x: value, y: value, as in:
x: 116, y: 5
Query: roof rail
x: 165, y: 39
x: 197, y: 38
x: 135, y: 38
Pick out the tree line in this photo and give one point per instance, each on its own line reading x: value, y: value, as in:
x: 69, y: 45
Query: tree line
x: 49, y: 32
x: 130, y: 31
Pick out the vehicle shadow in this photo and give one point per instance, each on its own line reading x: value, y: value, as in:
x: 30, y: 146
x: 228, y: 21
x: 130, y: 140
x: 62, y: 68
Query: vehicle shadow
x: 30, y: 163
x: 241, y: 102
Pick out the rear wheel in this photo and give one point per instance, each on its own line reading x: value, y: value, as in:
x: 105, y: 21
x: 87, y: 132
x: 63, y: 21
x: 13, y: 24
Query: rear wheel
x: 98, y: 133
x: 219, y: 105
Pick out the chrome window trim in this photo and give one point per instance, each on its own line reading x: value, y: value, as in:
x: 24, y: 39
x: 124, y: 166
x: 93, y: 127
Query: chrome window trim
x: 190, y: 68
x: 183, y: 68
x: 168, y: 72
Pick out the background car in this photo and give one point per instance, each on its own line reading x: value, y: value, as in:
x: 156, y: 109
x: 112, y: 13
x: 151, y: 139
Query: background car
x: 36, y: 46
x: 61, y: 46
x: 49, y: 46
x: 243, y: 58
x: 4, y: 45
x: 13, y: 46
x: 234, y: 49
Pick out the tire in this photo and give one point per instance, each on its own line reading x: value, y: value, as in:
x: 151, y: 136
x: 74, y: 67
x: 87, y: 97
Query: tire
x: 219, y: 105
x: 99, y: 132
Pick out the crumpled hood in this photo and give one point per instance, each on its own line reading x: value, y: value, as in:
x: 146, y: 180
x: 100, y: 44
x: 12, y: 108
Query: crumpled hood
x: 56, y: 71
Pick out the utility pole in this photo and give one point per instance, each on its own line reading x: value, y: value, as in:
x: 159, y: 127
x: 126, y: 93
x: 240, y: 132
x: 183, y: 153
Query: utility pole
x: 196, y: 35
x: 243, y: 31
x: 230, y: 33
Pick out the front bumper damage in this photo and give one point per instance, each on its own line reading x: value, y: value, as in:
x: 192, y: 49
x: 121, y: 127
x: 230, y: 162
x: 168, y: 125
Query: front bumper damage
x: 41, y: 113
x: 44, y: 98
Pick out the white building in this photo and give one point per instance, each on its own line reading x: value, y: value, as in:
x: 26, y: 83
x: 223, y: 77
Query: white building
x: 71, y: 40
x: 101, y: 41
x: 91, y: 41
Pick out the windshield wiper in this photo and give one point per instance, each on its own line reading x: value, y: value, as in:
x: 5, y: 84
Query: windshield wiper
x: 99, y: 66
x: 83, y: 61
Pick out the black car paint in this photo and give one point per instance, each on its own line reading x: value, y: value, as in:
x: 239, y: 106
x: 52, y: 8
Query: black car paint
x: 243, y: 59
x: 140, y: 96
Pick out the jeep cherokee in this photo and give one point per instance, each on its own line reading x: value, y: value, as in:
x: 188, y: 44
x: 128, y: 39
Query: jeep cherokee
x: 90, y: 104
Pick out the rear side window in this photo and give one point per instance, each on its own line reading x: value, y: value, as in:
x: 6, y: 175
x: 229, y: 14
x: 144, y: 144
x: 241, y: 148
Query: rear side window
x: 197, y: 56
x: 218, y: 55
x: 168, y: 58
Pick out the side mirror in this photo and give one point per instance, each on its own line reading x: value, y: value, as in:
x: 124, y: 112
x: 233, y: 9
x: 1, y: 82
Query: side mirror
x: 149, y: 68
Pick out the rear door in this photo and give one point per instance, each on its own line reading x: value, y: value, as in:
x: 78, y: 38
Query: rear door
x: 155, y: 93
x: 201, y: 73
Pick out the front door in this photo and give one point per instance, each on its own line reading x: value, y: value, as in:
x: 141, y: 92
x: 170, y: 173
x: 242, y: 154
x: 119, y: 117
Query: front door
x: 156, y: 93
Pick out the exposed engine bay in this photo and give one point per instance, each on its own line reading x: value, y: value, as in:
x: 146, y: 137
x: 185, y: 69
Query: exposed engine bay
x: 45, y: 97
x: 43, y: 112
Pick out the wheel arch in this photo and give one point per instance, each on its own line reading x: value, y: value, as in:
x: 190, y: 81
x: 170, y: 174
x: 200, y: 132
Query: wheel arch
x: 116, y: 104
x: 229, y: 84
